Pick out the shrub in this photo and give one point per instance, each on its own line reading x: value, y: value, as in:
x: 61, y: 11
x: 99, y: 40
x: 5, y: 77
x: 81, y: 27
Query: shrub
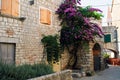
x: 11, y: 72
x: 90, y: 73
x: 105, y: 55
x: 52, y: 48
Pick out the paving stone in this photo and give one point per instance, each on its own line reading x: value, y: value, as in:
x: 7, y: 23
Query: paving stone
x: 112, y: 73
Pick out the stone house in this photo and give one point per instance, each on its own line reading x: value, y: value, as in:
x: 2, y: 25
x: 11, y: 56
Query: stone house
x: 111, y: 31
x: 22, y: 26
x: 110, y: 40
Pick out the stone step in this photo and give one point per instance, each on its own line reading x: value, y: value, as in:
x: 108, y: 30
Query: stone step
x: 76, y: 75
x: 76, y: 71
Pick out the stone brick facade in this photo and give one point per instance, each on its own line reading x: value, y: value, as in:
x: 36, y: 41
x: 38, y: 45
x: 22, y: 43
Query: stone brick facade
x: 27, y: 35
x: 84, y: 56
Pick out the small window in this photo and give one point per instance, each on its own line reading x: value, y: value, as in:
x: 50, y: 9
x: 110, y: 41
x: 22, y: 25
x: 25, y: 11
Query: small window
x: 7, y: 53
x: 107, y: 38
x: 45, y: 16
x: 10, y: 7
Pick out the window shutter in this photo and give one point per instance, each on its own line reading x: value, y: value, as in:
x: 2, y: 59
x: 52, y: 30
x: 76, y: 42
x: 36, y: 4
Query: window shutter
x: 107, y: 38
x: 15, y: 8
x: 49, y: 17
x: 6, y: 7
x: 43, y: 16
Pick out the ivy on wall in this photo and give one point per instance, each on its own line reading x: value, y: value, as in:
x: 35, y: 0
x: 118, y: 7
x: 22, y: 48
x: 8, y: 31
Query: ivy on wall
x: 52, y: 48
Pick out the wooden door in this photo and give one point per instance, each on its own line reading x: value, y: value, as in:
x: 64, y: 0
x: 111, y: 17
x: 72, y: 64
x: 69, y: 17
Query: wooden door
x: 7, y: 53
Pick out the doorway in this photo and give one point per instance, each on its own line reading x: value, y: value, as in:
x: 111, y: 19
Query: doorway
x: 96, y: 57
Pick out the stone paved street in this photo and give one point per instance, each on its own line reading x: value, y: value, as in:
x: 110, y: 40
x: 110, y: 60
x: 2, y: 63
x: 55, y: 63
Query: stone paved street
x: 112, y: 73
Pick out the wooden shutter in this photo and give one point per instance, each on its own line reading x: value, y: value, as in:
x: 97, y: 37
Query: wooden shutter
x: 49, y: 17
x: 43, y: 16
x: 15, y: 8
x: 6, y: 7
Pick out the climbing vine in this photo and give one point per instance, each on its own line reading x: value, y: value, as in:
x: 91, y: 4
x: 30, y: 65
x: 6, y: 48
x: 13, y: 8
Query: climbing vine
x: 52, y: 48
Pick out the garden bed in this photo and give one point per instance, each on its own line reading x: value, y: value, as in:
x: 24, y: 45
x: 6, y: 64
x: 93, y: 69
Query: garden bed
x: 23, y: 72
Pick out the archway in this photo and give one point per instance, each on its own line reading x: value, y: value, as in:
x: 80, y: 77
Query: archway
x: 109, y: 51
x: 115, y: 53
x: 96, y: 56
x: 113, y: 59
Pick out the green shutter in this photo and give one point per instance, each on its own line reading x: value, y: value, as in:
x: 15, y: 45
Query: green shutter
x: 107, y: 38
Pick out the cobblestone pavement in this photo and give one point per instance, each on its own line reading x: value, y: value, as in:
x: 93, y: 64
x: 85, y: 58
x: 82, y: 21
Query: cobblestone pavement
x: 112, y: 73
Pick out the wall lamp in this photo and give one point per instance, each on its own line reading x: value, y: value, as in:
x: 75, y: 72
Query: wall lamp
x: 31, y: 2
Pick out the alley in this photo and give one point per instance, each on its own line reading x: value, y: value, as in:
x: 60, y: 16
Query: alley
x: 112, y: 73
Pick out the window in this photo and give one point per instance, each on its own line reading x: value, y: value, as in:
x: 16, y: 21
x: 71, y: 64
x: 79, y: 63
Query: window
x: 45, y: 16
x: 7, y: 53
x: 10, y: 7
x: 107, y: 38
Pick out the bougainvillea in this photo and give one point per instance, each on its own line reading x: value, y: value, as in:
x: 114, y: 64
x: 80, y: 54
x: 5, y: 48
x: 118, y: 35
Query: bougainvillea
x: 76, y: 22
x: 77, y: 27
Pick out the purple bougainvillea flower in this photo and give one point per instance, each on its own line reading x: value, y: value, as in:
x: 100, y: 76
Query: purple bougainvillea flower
x: 86, y: 20
x: 78, y: 1
x: 69, y: 10
x: 94, y: 9
x: 73, y: 1
x: 75, y: 25
x: 72, y: 14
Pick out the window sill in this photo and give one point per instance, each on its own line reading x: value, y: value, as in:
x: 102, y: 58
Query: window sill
x: 13, y: 17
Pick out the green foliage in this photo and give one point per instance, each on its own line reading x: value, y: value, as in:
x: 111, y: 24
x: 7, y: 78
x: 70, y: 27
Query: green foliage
x: 105, y: 55
x: 52, y: 48
x: 90, y: 73
x: 87, y: 13
x: 10, y: 72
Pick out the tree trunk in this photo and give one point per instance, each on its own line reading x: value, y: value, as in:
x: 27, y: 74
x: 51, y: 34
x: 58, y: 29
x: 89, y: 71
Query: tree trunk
x: 73, y: 57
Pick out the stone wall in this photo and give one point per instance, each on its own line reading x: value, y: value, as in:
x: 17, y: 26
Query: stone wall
x: 91, y: 45
x: 64, y: 59
x: 84, y: 57
x: 27, y: 35
x: 64, y: 75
